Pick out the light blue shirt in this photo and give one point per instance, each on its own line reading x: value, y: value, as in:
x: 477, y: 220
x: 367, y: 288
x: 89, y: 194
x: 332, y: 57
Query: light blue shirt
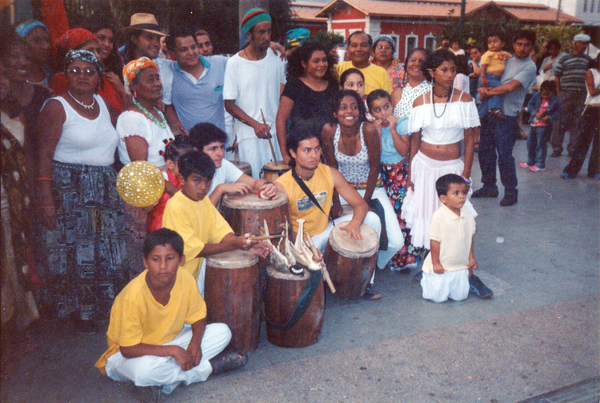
x: 389, y: 155
x: 522, y: 70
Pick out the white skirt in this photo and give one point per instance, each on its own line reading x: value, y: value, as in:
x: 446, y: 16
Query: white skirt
x: 420, y: 204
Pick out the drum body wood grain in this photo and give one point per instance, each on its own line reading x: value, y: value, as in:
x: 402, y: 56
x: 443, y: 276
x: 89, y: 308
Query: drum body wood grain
x: 232, y: 293
x: 282, y: 293
x: 246, y: 214
x: 351, y: 262
x: 274, y: 169
x: 243, y: 166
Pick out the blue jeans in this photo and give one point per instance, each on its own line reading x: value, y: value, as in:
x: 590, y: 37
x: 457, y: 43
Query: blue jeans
x: 537, y: 145
x: 496, y: 144
x: 494, y: 102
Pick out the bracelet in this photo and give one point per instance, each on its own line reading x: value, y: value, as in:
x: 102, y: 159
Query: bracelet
x: 468, y: 180
x: 44, y: 179
x: 268, y: 183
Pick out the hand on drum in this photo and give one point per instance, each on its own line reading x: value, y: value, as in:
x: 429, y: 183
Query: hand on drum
x: 262, y: 130
x: 261, y: 249
x: 236, y: 187
x: 269, y: 191
x: 353, y: 231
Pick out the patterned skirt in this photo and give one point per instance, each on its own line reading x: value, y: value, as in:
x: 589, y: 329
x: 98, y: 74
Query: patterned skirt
x: 394, y: 183
x: 84, y: 265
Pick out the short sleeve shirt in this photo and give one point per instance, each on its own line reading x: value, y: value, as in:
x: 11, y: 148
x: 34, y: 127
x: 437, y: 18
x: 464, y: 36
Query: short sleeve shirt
x: 522, y: 70
x: 309, y: 104
x: 135, y: 124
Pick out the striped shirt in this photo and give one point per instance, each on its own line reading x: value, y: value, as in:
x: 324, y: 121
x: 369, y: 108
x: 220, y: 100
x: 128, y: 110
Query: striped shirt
x: 571, y: 69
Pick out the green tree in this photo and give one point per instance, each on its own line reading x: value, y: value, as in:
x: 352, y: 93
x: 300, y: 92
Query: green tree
x: 476, y: 30
x: 561, y: 31
x: 328, y: 39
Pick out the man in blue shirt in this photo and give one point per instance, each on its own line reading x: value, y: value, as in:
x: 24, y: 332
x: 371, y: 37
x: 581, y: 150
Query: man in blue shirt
x: 498, y: 135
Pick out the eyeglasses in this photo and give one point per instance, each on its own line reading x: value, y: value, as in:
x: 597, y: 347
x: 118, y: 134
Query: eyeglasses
x: 383, y: 48
x: 444, y: 71
x: 88, y: 71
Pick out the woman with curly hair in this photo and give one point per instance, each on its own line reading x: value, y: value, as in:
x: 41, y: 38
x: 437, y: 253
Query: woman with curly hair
x: 311, y: 87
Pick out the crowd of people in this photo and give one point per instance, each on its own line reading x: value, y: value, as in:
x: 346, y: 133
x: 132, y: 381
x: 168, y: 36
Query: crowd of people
x: 392, y: 142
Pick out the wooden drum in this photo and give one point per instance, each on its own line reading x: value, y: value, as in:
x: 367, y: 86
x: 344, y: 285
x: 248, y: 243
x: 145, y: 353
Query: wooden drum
x: 274, y: 169
x: 283, y: 290
x: 247, y: 214
x: 243, y: 166
x: 350, y: 262
x: 233, y: 296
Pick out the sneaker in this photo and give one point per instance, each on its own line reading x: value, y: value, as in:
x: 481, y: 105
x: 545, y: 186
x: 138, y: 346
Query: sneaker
x: 483, y: 192
x: 534, y: 168
x: 477, y: 287
x: 556, y: 154
x: 524, y: 165
x: 565, y: 175
x: 508, y: 200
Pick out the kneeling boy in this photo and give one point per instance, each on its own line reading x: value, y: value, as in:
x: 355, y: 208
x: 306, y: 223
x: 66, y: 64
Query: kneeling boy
x: 448, y: 269
x: 147, y: 341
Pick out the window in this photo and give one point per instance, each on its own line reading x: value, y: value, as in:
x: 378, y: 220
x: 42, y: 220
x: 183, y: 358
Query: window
x: 592, y: 6
x: 584, y: 6
x: 430, y: 43
x: 410, y: 44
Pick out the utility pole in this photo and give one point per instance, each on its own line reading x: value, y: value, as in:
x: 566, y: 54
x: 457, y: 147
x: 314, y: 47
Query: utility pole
x: 463, y: 5
x: 558, y: 10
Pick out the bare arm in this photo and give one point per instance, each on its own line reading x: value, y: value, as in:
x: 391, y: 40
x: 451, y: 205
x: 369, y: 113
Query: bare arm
x: 471, y: 137
x: 50, y: 123
x: 266, y: 188
x: 173, y: 119
x: 396, y: 96
x: 501, y: 89
x: 484, y: 80
x: 261, y: 130
x: 435, y: 257
x: 589, y: 82
x: 401, y: 142
x: 229, y: 242
x: 327, y: 135
x: 283, y: 114
x: 355, y: 200
x: 373, y: 143
x: 195, y: 346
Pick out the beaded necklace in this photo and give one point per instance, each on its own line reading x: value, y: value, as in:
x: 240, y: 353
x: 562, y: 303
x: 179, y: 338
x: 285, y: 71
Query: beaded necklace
x: 162, y: 125
x: 91, y: 106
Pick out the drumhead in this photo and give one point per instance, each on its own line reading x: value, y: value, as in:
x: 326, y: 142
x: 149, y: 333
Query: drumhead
x: 287, y: 276
x: 350, y: 247
x: 235, y: 259
x: 252, y: 201
x: 276, y: 166
x: 242, y: 166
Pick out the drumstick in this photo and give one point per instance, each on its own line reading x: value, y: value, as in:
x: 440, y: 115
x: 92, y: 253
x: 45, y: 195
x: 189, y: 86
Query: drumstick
x: 265, y: 237
x: 268, y: 138
x: 315, y: 253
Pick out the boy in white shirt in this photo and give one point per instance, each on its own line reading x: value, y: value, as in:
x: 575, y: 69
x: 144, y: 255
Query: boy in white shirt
x: 448, y: 269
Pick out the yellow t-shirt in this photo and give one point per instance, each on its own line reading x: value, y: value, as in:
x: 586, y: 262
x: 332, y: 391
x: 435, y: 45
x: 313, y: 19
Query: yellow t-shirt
x: 496, y: 61
x: 321, y: 185
x: 455, y: 235
x: 375, y: 77
x: 198, y: 223
x: 136, y: 317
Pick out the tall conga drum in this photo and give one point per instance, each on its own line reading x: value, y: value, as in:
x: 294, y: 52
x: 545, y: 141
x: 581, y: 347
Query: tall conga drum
x: 283, y: 292
x: 351, y: 262
x: 247, y: 213
x: 274, y: 169
x: 233, y: 296
x: 243, y: 166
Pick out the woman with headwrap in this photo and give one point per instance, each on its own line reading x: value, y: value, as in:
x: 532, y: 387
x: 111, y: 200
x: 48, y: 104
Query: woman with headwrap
x: 83, y: 238
x: 26, y: 98
x: 111, y: 88
x: 383, y: 56
x: 143, y: 131
x: 38, y: 38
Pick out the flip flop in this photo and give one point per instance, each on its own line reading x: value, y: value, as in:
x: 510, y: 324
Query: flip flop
x: 228, y: 360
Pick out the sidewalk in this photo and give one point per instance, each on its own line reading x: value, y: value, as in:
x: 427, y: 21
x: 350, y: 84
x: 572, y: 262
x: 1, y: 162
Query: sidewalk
x: 539, y: 333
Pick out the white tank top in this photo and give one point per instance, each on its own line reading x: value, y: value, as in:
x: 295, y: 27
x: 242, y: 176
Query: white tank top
x: 354, y: 168
x: 594, y: 100
x: 85, y: 141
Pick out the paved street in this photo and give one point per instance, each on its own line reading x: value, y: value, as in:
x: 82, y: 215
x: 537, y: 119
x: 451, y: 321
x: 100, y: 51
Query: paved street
x: 539, y: 333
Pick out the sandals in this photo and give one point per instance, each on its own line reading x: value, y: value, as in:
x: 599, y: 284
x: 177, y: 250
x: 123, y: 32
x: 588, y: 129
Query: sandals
x: 228, y: 360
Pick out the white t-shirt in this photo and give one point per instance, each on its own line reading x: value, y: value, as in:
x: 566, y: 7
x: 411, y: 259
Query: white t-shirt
x: 133, y: 123
x: 227, y: 173
x: 254, y: 85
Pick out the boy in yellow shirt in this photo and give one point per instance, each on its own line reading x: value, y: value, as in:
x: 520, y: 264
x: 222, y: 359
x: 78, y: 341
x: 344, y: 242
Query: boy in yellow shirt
x: 493, y: 63
x: 148, y: 343
x: 192, y: 215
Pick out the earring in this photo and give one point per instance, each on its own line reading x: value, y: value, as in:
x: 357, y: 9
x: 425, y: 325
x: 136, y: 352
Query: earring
x: 134, y: 93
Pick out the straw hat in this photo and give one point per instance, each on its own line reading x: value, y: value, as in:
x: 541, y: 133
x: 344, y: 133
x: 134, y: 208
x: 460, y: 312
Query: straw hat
x: 144, y: 22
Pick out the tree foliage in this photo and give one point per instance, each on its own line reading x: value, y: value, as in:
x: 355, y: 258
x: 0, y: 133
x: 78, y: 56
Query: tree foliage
x: 561, y: 31
x: 328, y: 39
x: 476, y: 30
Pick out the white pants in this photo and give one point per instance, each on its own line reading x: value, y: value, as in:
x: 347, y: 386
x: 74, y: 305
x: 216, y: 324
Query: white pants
x: 201, y: 276
x: 450, y: 284
x: 371, y: 220
x: 151, y: 370
x: 392, y: 226
x: 257, y: 153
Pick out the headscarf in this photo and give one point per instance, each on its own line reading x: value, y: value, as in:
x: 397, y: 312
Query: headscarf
x: 83, y: 56
x: 389, y: 40
x: 26, y: 27
x: 74, y: 38
x: 133, y: 68
x: 253, y: 17
x: 296, y: 37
